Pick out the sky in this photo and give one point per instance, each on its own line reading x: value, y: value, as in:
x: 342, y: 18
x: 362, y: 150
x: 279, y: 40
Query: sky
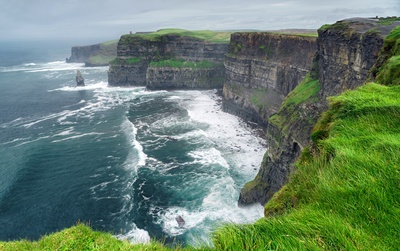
x: 109, y: 19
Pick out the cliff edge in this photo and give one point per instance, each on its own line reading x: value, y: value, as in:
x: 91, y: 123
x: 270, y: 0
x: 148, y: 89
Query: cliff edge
x: 346, y: 51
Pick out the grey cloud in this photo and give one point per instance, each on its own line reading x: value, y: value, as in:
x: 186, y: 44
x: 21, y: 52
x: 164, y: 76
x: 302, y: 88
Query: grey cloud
x: 24, y: 19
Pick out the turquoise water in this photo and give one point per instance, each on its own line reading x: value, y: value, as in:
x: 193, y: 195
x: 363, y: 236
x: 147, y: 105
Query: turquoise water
x: 124, y: 160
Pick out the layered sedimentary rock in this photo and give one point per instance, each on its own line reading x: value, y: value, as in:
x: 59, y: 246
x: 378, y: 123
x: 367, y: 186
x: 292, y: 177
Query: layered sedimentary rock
x: 261, y: 69
x: 158, y: 62
x: 185, y: 77
x: 345, y: 53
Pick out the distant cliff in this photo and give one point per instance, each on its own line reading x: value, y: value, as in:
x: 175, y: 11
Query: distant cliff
x: 170, y: 59
x: 94, y: 55
x: 346, y: 51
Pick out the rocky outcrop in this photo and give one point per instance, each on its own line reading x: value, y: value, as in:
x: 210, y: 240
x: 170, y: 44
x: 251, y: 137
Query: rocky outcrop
x: 345, y: 53
x: 80, y: 81
x: 160, y: 62
x: 261, y: 69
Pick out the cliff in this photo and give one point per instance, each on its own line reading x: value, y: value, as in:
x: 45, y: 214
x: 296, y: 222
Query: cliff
x: 170, y: 59
x: 261, y: 69
x: 345, y: 53
x: 94, y: 55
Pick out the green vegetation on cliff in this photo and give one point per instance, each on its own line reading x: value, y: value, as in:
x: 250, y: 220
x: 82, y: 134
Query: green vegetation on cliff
x: 305, y: 92
x: 120, y: 61
x: 206, y: 35
x: 389, y: 72
x: 107, y: 52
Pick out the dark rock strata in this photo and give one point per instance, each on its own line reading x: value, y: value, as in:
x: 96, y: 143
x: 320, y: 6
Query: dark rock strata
x: 261, y: 69
x: 136, y: 53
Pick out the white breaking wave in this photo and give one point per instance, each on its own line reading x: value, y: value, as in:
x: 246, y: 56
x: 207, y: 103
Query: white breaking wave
x: 43, y: 67
x: 136, y: 158
x: 135, y: 235
x: 208, y: 157
x: 95, y: 86
x: 77, y: 136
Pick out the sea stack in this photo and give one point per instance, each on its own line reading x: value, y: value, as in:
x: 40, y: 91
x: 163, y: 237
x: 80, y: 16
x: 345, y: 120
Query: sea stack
x: 80, y: 81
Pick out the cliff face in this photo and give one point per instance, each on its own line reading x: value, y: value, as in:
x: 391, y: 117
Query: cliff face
x: 168, y: 62
x: 94, y: 55
x: 261, y: 69
x: 185, y: 78
x: 345, y: 53
x: 80, y: 54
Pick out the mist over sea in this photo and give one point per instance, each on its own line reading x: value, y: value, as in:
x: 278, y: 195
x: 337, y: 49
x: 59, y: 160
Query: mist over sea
x: 124, y: 160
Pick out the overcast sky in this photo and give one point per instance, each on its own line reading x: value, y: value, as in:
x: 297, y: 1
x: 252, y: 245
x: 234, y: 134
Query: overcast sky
x: 109, y: 19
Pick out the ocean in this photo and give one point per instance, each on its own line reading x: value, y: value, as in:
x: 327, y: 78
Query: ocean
x: 124, y: 160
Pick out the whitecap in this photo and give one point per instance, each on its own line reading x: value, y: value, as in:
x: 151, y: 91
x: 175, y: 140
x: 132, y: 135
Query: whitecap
x: 169, y: 224
x: 137, y: 157
x: 135, y: 235
x: 95, y: 86
x: 77, y: 136
x: 209, y: 156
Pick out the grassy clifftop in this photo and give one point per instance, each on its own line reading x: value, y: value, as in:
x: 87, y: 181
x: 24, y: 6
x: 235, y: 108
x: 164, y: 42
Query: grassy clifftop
x: 206, y: 35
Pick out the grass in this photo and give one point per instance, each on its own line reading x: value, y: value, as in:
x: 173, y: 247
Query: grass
x: 181, y: 63
x: 389, y: 72
x: 345, y: 194
x: 100, y: 59
x: 340, y: 25
x: 128, y: 61
x: 108, y: 51
x: 388, y: 20
x: 79, y: 237
x: 206, y: 35
x: 306, y: 91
